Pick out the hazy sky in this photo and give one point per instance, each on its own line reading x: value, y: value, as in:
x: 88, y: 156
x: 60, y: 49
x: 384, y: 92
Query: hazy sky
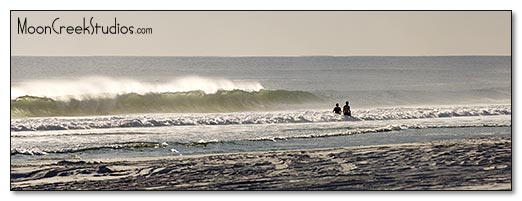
x: 286, y: 33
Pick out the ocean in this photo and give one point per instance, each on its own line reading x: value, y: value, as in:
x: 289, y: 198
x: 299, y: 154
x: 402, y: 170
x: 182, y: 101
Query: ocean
x: 109, y: 108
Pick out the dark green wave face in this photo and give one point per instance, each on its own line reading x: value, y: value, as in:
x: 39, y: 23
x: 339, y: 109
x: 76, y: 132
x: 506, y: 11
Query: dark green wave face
x: 194, y: 101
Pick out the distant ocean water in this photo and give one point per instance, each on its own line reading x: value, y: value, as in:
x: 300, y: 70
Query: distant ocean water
x: 92, y: 107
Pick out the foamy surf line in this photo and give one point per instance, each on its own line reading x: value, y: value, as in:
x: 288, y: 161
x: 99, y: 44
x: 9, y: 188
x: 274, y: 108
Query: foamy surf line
x: 134, y: 145
x: 159, y: 120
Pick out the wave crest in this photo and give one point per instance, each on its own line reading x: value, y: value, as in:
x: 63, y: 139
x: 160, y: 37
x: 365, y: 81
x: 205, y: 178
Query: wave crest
x: 169, y: 102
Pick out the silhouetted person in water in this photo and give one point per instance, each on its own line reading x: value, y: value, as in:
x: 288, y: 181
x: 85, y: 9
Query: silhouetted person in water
x: 337, y: 109
x: 346, y: 109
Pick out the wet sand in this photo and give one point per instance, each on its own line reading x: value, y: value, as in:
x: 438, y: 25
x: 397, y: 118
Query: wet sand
x: 471, y: 164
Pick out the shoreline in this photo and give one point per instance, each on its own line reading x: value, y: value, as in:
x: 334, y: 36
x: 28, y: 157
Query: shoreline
x: 465, y: 164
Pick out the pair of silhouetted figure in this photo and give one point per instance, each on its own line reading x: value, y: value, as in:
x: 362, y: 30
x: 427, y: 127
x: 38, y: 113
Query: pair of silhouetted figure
x: 346, y: 109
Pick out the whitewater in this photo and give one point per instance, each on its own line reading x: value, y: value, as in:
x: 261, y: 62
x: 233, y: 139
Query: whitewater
x: 126, y: 107
x: 306, y: 116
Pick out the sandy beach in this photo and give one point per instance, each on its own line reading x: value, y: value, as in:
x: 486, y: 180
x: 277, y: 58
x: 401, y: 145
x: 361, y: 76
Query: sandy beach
x: 471, y: 164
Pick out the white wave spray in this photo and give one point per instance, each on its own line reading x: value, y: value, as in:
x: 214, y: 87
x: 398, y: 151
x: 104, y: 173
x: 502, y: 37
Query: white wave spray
x: 109, y: 87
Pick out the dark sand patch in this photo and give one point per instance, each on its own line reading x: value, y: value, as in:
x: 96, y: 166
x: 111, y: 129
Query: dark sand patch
x: 471, y: 164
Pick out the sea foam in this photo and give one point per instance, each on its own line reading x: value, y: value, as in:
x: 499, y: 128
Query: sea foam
x: 234, y: 118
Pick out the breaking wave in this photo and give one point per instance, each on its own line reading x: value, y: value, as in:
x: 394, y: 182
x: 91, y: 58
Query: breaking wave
x: 154, y: 120
x: 165, y: 102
